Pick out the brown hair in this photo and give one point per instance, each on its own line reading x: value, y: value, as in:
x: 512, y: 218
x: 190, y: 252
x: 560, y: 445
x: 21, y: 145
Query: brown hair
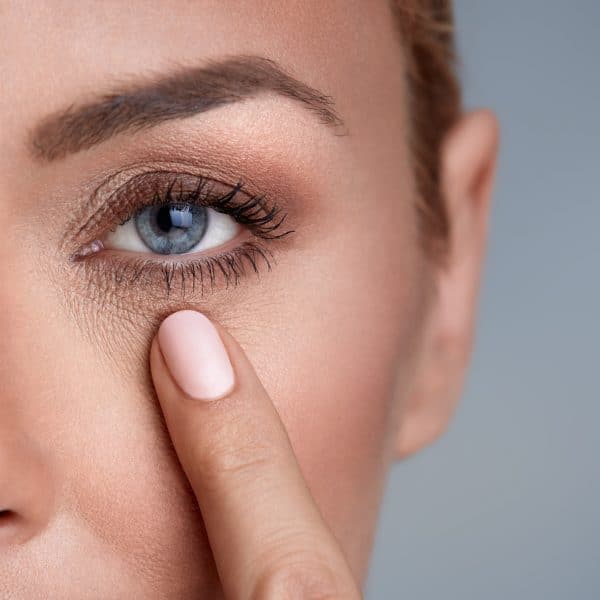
x: 427, y: 34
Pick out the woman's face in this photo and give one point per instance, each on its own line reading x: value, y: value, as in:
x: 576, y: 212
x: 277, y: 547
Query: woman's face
x: 99, y: 505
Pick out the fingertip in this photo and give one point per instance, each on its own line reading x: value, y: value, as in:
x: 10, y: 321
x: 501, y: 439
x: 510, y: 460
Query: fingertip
x: 195, y: 356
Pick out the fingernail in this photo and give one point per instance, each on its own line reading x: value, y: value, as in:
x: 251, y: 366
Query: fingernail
x: 195, y: 355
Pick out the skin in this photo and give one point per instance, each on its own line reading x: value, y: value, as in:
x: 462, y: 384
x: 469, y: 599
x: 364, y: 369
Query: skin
x: 357, y: 342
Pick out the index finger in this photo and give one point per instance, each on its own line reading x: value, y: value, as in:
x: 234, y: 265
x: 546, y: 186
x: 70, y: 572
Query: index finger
x: 265, y: 530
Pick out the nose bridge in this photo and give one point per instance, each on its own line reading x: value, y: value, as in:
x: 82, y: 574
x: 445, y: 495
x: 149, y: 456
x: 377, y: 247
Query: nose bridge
x: 26, y: 483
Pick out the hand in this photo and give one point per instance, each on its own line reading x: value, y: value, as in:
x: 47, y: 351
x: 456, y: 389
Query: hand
x: 267, y: 535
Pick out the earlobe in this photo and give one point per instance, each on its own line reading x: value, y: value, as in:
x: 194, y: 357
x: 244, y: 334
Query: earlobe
x: 468, y: 163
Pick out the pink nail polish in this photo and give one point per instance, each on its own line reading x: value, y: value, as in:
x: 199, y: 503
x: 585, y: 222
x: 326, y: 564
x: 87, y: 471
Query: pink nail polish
x: 195, y: 355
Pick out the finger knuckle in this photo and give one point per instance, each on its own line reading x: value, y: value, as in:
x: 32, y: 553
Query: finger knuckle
x: 233, y: 461
x: 300, y: 579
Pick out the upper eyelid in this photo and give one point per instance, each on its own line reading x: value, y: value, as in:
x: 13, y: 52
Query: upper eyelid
x: 100, y: 187
x: 106, y: 204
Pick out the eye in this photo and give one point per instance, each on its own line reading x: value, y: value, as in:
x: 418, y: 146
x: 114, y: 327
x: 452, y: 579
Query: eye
x: 173, y: 228
x: 185, y: 230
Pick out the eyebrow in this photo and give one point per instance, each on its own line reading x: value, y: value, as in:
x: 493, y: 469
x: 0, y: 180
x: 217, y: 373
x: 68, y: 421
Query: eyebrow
x: 186, y: 92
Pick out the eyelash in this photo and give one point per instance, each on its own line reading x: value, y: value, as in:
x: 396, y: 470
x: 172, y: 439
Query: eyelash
x: 264, y: 219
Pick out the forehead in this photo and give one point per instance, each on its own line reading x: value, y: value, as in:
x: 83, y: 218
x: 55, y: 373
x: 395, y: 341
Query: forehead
x: 55, y: 53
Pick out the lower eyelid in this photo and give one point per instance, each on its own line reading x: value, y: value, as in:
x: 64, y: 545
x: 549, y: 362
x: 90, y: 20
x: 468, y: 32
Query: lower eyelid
x: 190, y: 275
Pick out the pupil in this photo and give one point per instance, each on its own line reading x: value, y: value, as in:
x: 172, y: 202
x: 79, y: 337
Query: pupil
x: 163, y: 219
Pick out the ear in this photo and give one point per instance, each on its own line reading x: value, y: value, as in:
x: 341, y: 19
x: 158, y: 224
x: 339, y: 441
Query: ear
x: 468, y: 162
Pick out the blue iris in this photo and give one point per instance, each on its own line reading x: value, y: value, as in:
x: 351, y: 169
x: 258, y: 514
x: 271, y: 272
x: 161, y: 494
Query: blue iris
x: 171, y: 228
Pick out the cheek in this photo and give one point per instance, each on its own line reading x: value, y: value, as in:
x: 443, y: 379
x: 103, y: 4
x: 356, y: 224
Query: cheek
x: 334, y: 352
x: 114, y: 487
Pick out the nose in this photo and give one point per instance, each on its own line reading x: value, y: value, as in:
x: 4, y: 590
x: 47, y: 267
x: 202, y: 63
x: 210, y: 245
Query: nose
x: 27, y: 480
x: 25, y: 488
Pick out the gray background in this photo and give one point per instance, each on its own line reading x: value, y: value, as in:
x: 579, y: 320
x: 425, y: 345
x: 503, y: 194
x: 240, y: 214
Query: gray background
x: 507, y: 504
